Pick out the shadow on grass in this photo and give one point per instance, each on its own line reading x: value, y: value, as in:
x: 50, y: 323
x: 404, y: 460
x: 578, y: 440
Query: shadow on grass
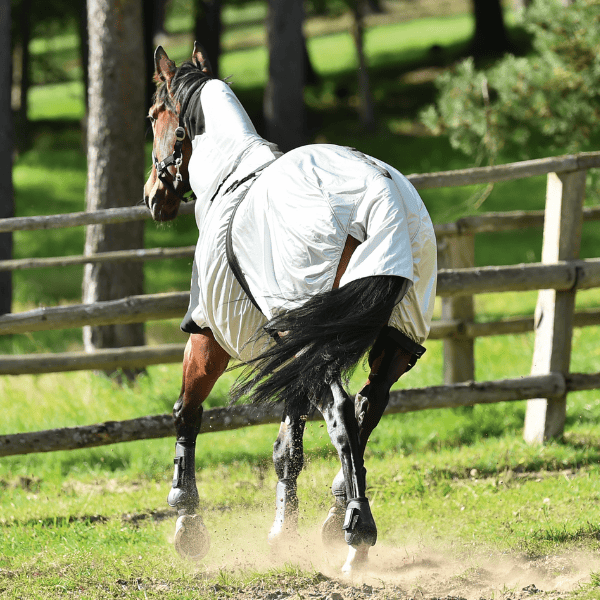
x: 62, y: 522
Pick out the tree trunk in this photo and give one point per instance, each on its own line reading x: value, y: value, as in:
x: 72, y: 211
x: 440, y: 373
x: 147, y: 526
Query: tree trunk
x: 22, y: 72
x: 154, y: 25
x: 115, y: 158
x: 84, y: 51
x: 311, y: 77
x: 490, y: 37
x: 284, y: 95
x: 207, y: 30
x: 7, y: 206
x: 367, y: 110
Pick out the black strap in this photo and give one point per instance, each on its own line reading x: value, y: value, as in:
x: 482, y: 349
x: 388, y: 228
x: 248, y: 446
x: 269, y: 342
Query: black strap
x: 405, y: 342
x: 390, y: 338
x: 234, y: 265
x: 369, y: 161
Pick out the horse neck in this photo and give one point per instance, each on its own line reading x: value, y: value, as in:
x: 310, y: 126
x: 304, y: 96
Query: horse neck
x: 227, y: 143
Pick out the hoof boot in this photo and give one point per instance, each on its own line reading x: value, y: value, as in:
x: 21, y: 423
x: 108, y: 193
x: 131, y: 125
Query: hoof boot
x: 359, y: 524
x: 192, y: 540
x: 186, y: 499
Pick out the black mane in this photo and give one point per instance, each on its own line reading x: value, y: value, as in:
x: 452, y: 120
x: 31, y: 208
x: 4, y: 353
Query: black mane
x: 186, y: 74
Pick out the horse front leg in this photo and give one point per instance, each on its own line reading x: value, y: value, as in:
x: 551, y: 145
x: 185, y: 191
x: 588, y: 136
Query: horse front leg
x: 288, y: 459
x: 203, y: 363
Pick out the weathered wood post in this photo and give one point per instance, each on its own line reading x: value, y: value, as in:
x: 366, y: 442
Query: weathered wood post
x: 115, y: 136
x: 456, y: 252
x: 545, y: 417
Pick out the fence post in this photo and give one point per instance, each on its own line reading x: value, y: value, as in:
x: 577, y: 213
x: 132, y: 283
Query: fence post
x: 456, y: 252
x: 545, y: 417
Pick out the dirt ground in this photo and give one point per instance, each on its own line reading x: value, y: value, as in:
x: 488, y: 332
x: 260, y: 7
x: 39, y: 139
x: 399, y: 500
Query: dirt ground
x: 429, y: 575
x: 423, y: 571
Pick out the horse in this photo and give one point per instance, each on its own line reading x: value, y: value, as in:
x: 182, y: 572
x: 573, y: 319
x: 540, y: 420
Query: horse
x: 305, y: 262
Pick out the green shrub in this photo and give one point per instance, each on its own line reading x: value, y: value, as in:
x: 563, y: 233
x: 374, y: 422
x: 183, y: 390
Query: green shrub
x: 549, y: 99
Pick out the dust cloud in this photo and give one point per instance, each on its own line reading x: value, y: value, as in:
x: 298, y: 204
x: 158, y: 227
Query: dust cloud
x: 424, y: 569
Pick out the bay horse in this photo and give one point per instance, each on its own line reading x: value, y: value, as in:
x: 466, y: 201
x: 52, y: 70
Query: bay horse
x: 305, y: 262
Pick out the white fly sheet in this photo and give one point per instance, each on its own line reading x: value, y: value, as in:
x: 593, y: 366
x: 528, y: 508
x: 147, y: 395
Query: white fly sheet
x: 290, y: 229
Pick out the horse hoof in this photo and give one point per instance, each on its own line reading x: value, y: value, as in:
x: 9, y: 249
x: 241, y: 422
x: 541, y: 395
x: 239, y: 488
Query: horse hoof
x: 332, y: 533
x: 358, y: 557
x: 192, y: 540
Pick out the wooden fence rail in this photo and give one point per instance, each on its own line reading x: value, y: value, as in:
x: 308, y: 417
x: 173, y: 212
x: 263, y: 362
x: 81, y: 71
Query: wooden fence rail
x: 485, y: 223
x: 221, y: 419
x: 141, y: 255
x: 133, y: 309
x: 457, y: 178
x: 171, y: 305
x: 93, y: 217
x: 568, y: 275
x: 141, y: 356
x: 558, y: 277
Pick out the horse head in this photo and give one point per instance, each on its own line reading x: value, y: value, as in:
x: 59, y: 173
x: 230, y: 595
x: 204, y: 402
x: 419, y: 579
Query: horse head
x: 169, y: 182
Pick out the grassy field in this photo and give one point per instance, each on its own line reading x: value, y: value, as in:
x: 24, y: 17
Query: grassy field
x: 464, y: 507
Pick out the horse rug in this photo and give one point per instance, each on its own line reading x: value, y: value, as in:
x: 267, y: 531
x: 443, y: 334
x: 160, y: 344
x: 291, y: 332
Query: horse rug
x: 294, y: 216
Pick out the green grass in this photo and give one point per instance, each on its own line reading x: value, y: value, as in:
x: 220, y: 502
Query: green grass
x: 57, y: 101
x: 95, y: 521
x: 101, y: 527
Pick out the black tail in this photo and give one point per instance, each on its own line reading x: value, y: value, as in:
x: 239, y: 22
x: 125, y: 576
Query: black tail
x: 325, y: 339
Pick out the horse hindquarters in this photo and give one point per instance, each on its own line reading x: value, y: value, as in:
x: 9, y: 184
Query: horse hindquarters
x: 325, y: 339
x: 204, y: 362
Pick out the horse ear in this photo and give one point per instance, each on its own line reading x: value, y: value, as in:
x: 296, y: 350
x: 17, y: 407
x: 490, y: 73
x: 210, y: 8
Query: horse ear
x: 200, y: 59
x: 165, y: 67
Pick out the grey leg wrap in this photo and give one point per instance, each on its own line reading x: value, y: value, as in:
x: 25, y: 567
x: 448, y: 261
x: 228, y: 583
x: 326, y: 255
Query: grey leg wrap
x: 184, y: 494
x: 286, y: 511
x: 359, y: 524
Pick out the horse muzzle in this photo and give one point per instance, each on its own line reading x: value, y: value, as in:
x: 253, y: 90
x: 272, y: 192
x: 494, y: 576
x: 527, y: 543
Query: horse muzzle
x: 163, y: 205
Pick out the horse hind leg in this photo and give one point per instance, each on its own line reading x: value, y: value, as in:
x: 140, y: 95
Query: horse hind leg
x: 288, y: 459
x: 360, y: 531
x: 388, y: 362
x: 204, y: 362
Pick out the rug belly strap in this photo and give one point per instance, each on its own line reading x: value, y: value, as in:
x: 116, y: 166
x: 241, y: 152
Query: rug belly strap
x: 232, y: 260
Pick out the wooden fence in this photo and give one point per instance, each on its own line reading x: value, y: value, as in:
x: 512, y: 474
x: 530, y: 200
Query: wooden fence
x: 558, y: 277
